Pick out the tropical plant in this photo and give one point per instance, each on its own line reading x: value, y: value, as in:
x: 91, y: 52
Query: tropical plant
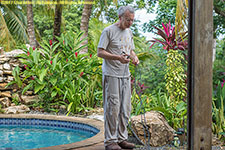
x: 219, y: 64
x: 219, y: 95
x: 17, y: 81
x: 44, y: 25
x: 40, y: 69
x: 175, y: 76
x: 72, y: 17
x: 151, y: 69
x: 176, y: 116
x: 66, y: 77
x: 169, y: 40
x: 16, y: 99
x: 95, y: 29
x: 176, y: 63
x: 12, y: 25
x: 219, y: 111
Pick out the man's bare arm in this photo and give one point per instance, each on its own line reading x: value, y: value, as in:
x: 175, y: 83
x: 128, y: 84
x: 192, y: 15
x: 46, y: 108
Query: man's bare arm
x: 106, y: 55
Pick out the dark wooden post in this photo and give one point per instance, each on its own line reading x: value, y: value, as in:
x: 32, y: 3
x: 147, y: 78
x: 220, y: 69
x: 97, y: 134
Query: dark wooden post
x: 200, y: 74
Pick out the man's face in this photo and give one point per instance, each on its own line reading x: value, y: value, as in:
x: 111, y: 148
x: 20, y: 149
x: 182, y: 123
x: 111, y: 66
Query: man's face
x: 127, y: 20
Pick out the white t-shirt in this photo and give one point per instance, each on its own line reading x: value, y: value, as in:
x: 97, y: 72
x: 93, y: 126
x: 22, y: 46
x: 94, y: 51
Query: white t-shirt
x: 115, y: 41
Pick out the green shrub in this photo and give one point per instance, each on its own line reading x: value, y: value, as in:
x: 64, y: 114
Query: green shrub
x: 60, y: 75
x: 176, y: 116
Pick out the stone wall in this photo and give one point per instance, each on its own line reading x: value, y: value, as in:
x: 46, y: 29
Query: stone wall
x: 8, y: 61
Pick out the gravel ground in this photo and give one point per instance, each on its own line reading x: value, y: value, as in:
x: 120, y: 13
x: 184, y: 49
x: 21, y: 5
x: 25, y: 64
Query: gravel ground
x: 165, y: 147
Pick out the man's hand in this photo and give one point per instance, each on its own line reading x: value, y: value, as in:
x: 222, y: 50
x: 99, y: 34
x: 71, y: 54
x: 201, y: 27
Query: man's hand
x: 124, y: 59
x: 135, y: 60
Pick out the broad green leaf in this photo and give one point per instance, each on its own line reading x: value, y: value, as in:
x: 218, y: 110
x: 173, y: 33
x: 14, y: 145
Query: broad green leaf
x: 53, y: 81
x: 19, y: 82
x: 38, y: 87
x: 167, y: 113
x: 65, y: 95
x: 43, y: 73
x: 55, y: 61
x: 54, y: 93
x: 27, y: 88
x: 55, y: 47
x: 35, y: 55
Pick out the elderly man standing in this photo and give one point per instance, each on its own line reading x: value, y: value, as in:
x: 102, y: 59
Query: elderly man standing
x: 116, y: 47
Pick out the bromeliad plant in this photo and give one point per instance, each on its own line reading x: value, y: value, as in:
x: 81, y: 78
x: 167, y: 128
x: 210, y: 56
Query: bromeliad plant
x: 172, y: 103
x: 176, y: 63
x: 169, y: 39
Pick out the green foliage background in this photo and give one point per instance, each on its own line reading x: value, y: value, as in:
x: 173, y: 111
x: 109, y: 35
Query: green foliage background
x: 60, y: 83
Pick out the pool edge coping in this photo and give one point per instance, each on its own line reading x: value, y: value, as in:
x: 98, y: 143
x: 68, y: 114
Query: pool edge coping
x: 98, y: 138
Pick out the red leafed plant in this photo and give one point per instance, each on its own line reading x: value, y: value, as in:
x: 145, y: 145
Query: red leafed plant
x: 169, y: 39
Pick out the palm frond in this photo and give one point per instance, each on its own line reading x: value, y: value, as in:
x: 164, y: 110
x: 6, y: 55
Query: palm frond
x: 13, y: 26
x: 6, y: 39
x: 95, y: 29
x: 145, y: 55
x: 181, y: 16
x: 16, y: 23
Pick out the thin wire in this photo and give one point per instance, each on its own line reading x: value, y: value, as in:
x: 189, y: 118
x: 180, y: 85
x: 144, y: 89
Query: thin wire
x: 145, y: 127
x: 147, y: 145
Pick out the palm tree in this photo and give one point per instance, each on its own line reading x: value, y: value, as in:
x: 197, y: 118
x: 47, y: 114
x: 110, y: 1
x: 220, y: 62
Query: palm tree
x: 30, y: 26
x: 57, y: 22
x: 87, y: 11
x: 85, y: 22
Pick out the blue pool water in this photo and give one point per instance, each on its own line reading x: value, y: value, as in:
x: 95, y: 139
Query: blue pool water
x: 23, y: 134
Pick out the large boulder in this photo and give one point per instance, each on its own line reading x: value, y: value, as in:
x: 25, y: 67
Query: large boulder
x: 160, y: 131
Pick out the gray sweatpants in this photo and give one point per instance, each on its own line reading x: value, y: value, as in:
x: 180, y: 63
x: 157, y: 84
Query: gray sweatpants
x: 117, y: 108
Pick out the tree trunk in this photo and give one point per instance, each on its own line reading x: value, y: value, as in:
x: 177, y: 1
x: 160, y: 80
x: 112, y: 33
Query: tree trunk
x: 214, y: 50
x: 85, y: 22
x: 30, y: 26
x: 57, y: 21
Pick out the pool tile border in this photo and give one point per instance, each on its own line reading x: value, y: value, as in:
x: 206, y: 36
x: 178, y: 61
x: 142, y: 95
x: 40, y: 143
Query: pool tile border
x: 50, y: 123
x: 98, y: 138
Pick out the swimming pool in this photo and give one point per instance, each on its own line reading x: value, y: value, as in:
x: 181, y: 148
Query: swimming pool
x: 30, y: 131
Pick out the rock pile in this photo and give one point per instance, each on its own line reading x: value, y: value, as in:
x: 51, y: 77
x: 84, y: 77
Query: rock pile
x: 9, y: 95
